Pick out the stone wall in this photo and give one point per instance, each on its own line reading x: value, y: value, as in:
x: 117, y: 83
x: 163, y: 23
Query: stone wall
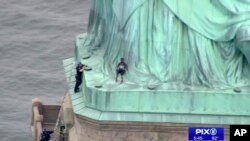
x: 86, y: 129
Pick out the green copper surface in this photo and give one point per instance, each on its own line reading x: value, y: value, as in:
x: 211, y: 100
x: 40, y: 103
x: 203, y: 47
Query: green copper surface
x: 196, y: 53
x: 196, y: 42
x: 130, y: 102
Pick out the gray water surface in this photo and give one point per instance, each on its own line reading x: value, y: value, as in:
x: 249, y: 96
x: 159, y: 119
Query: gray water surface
x: 35, y: 36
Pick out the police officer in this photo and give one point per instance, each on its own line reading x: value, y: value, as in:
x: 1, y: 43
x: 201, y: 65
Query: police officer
x: 79, y: 71
x: 45, y: 135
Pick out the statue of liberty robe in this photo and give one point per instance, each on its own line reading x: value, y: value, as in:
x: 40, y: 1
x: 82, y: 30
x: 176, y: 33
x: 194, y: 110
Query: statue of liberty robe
x: 199, y: 43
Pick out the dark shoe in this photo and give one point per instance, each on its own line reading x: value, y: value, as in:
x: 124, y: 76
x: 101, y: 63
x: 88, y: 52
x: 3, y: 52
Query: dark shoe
x: 77, y: 90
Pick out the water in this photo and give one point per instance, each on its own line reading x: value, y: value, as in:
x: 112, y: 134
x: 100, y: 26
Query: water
x: 35, y: 36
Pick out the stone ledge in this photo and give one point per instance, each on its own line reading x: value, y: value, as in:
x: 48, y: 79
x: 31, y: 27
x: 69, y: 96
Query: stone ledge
x: 92, y: 130
x: 145, y: 126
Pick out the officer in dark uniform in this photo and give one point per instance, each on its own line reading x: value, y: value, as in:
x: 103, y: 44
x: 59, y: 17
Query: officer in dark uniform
x: 121, y: 69
x: 79, y: 71
x: 45, y: 135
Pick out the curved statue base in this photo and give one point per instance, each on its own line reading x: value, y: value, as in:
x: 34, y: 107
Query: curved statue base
x: 92, y: 130
x: 166, y: 103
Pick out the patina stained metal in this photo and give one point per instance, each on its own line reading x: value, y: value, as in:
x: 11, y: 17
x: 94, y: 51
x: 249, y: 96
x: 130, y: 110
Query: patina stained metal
x: 196, y: 54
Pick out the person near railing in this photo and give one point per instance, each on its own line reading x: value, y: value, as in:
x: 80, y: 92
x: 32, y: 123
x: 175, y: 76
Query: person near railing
x: 46, y: 135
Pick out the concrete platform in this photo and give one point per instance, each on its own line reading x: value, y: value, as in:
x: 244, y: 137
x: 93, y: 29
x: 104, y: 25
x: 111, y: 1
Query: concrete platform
x: 44, y: 116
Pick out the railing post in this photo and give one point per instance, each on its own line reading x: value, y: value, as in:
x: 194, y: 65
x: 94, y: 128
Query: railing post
x: 36, y: 119
x: 39, y: 121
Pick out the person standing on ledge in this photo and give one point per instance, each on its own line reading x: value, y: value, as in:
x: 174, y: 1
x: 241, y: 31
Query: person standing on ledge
x: 121, y: 69
x: 79, y: 71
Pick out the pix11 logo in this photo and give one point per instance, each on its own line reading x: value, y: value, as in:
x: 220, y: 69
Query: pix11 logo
x: 205, y: 134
